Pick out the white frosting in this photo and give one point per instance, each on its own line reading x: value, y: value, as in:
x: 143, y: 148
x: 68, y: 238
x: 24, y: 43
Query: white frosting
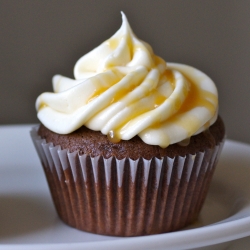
x: 122, y: 89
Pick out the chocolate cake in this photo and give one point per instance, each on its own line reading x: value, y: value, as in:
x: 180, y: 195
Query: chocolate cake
x: 128, y: 188
x: 94, y: 143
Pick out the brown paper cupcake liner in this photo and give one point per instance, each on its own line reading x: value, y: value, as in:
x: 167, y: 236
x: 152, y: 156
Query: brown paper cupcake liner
x: 126, y: 197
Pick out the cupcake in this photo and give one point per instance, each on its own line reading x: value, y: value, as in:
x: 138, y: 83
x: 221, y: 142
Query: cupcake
x: 129, y: 147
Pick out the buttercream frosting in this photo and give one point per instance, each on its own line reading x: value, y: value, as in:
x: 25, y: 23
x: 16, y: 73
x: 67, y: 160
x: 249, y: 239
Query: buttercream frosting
x: 123, y: 89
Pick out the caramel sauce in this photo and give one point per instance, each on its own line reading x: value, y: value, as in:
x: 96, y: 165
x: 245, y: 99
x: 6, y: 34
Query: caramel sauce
x: 177, y: 104
x: 100, y: 87
x: 170, y: 76
x: 195, y: 97
x: 158, y: 60
x: 42, y: 105
x: 206, y: 125
x: 185, y: 142
x: 139, y: 110
x: 159, y: 98
x: 135, y: 112
x: 96, y: 93
x: 113, y: 137
x: 124, y: 90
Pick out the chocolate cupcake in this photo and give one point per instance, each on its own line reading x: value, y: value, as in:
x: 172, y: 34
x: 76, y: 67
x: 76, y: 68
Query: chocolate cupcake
x: 129, y: 147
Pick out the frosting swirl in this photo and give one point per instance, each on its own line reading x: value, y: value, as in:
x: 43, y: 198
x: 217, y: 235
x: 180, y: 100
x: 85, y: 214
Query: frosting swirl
x: 123, y: 89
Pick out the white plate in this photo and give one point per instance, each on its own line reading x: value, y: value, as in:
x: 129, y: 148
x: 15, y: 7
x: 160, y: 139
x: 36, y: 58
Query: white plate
x: 28, y: 219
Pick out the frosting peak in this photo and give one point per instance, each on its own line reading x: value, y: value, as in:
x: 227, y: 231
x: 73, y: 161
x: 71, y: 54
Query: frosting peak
x: 123, y: 51
x: 123, y: 89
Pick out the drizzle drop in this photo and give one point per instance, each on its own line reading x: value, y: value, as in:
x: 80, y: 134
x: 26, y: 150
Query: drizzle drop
x: 184, y: 142
x: 113, y: 137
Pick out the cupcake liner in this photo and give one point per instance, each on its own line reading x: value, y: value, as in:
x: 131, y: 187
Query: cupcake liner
x: 125, y: 197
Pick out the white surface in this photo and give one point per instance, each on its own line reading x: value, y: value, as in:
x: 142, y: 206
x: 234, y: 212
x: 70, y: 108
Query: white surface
x: 28, y: 219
